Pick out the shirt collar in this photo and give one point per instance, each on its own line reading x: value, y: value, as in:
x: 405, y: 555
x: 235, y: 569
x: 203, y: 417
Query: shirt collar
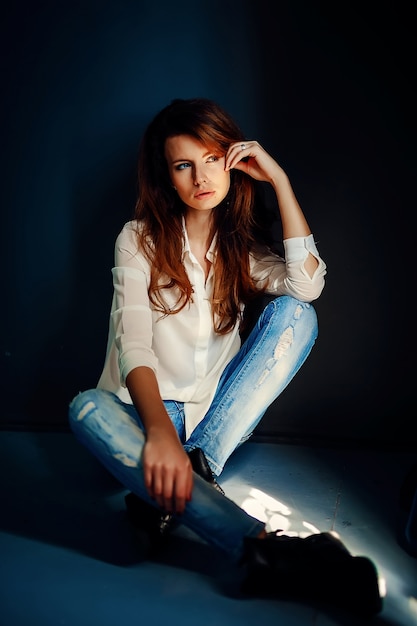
x: 210, y: 254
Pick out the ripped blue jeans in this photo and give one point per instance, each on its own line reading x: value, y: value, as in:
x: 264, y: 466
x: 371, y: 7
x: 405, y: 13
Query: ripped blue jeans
x: 267, y: 361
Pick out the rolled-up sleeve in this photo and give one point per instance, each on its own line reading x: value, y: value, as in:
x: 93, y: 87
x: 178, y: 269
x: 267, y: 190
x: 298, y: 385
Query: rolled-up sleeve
x: 131, y: 315
x: 131, y: 320
x: 288, y: 276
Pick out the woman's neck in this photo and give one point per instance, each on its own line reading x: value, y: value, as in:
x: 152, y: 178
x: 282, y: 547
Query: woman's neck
x: 199, y: 228
x: 199, y: 234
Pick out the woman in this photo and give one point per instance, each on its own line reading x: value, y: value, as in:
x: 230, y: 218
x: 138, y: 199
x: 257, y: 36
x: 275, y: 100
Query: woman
x: 179, y: 391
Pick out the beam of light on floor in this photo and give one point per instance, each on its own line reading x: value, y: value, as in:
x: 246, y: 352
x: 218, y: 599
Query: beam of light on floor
x: 275, y: 514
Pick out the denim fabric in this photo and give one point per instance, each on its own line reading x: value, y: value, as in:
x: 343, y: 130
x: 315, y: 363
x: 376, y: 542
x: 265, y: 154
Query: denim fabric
x: 271, y: 356
x: 266, y: 363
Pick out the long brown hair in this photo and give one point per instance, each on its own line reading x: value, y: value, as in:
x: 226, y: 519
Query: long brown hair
x: 159, y: 213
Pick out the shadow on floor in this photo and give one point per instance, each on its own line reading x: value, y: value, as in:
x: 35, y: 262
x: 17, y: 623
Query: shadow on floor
x: 58, y: 502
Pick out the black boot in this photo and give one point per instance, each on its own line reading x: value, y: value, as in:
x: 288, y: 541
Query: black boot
x: 317, y: 569
x: 202, y: 468
x: 147, y: 518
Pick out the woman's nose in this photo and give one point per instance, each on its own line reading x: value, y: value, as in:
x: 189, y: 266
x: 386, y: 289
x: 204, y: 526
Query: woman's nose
x: 199, y: 177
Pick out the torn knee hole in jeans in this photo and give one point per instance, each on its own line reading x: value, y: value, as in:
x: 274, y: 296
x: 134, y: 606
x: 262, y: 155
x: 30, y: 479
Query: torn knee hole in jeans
x: 86, y: 409
x: 125, y: 459
x: 284, y: 343
x: 298, y: 312
x: 121, y: 437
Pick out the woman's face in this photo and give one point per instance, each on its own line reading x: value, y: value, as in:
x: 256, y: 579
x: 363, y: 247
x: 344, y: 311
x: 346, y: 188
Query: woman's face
x: 197, y: 173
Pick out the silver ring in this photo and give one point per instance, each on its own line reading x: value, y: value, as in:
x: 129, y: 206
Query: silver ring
x: 243, y: 146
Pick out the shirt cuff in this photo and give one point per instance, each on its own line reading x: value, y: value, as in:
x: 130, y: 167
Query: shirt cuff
x: 297, y: 248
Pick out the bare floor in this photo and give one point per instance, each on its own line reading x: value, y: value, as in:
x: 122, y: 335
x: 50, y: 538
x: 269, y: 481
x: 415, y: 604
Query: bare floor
x: 68, y: 556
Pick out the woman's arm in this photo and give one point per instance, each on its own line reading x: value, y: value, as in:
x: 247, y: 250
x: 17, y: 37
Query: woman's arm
x: 167, y: 468
x: 261, y: 166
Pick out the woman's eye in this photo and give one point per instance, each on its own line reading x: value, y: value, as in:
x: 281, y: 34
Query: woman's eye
x: 182, y: 166
x: 212, y: 159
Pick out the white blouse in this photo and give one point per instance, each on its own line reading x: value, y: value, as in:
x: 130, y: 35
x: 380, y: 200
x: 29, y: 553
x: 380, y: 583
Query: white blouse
x: 187, y: 356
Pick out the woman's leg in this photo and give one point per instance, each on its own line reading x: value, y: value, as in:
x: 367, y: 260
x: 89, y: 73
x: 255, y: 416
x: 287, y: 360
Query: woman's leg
x: 317, y: 568
x: 111, y: 431
x: 268, y: 360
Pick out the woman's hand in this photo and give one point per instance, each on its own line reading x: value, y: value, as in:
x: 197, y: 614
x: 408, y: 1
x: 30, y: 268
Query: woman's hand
x: 167, y: 471
x: 251, y: 158
x: 256, y: 162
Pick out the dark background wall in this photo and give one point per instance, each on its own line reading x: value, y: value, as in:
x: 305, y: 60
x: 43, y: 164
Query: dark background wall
x: 328, y: 91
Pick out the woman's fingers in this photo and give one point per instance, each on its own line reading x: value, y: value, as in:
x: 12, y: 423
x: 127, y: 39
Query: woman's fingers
x: 170, y: 486
x: 251, y: 158
x: 239, y: 151
x: 182, y: 489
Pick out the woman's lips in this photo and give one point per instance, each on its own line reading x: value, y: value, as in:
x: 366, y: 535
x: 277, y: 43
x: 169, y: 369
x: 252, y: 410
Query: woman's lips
x: 202, y: 195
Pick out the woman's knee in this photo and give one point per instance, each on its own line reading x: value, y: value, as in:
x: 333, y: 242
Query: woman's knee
x: 295, y: 307
x: 78, y: 402
x: 84, y: 404
x: 294, y: 312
